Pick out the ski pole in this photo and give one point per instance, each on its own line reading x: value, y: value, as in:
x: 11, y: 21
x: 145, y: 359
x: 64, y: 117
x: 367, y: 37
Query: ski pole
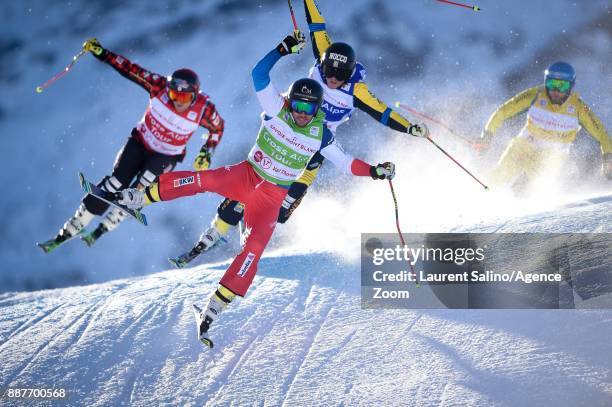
x: 42, y: 87
x: 296, y: 30
x: 475, y: 8
x: 456, y: 162
x: 433, y: 120
x: 399, y: 231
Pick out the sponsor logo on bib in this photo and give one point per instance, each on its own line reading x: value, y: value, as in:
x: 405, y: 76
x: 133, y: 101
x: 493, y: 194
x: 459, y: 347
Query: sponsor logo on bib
x: 266, y: 163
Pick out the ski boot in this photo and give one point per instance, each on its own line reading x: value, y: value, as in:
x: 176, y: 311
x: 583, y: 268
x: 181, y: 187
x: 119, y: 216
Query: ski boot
x: 203, y: 322
x: 92, y: 237
x: 74, y: 227
x: 208, y: 240
x: 217, y: 303
x: 110, y: 222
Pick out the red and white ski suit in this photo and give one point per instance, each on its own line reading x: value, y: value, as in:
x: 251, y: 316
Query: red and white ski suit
x: 162, y: 128
x: 262, y: 201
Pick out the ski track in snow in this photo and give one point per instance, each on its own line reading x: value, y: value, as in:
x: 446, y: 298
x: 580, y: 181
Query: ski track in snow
x: 300, y: 337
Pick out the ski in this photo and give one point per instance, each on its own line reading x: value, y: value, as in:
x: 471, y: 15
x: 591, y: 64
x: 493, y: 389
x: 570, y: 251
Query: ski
x: 108, y: 197
x: 184, y: 259
x: 197, y: 312
x: 181, y: 261
x: 52, y: 244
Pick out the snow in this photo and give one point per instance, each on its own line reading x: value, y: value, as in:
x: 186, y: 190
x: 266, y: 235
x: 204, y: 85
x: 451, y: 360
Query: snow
x: 300, y: 337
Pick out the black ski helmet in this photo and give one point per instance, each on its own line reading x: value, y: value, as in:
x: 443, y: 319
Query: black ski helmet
x: 339, y: 61
x: 184, y: 80
x: 307, y: 90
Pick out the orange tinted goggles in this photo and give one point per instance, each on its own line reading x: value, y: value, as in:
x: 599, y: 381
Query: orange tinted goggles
x: 180, y: 97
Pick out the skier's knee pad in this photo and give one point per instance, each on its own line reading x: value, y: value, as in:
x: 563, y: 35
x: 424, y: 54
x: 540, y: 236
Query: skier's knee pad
x: 230, y: 211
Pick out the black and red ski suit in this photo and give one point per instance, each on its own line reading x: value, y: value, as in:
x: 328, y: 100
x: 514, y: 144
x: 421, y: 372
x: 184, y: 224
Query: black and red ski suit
x: 154, y: 146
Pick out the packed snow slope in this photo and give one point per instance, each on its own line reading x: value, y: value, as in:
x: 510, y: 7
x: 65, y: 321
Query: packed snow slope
x: 300, y: 337
x: 448, y: 62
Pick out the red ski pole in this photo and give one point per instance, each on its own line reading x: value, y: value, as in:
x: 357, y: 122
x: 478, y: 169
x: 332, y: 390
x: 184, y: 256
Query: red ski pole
x: 399, y: 231
x: 475, y: 8
x: 296, y: 30
x: 42, y: 87
x: 456, y: 162
x: 433, y: 120
x: 398, y: 104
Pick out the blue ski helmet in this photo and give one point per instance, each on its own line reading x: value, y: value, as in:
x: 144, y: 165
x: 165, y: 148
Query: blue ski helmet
x: 560, y: 70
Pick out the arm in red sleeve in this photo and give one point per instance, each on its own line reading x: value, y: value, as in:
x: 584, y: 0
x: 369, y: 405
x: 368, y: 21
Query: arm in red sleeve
x: 334, y: 153
x: 150, y: 81
x: 360, y: 168
x: 215, y: 124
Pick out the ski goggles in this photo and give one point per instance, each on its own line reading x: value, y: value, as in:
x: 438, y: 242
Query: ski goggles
x: 559, y: 85
x: 301, y: 106
x: 338, y: 73
x: 180, y: 97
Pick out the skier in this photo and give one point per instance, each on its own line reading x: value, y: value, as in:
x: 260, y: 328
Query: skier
x: 292, y: 131
x: 177, y: 107
x: 555, y: 114
x: 342, y: 78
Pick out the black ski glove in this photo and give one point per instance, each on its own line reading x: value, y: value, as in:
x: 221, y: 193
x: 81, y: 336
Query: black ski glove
x: 292, y: 200
x: 291, y: 44
x: 383, y: 171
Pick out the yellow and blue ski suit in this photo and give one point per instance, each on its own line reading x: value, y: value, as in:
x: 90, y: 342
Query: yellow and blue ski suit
x: 544, y: 141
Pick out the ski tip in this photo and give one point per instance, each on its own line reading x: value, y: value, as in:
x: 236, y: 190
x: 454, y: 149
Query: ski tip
x: 43, y: 247
x: 207, y: 342
x: 83, y: 183
x: 175, y: 262
x: 88, y: 241
x: 196, y: 308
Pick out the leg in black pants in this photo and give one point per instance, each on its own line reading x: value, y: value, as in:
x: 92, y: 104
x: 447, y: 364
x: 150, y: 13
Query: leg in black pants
x: 127, y: 174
